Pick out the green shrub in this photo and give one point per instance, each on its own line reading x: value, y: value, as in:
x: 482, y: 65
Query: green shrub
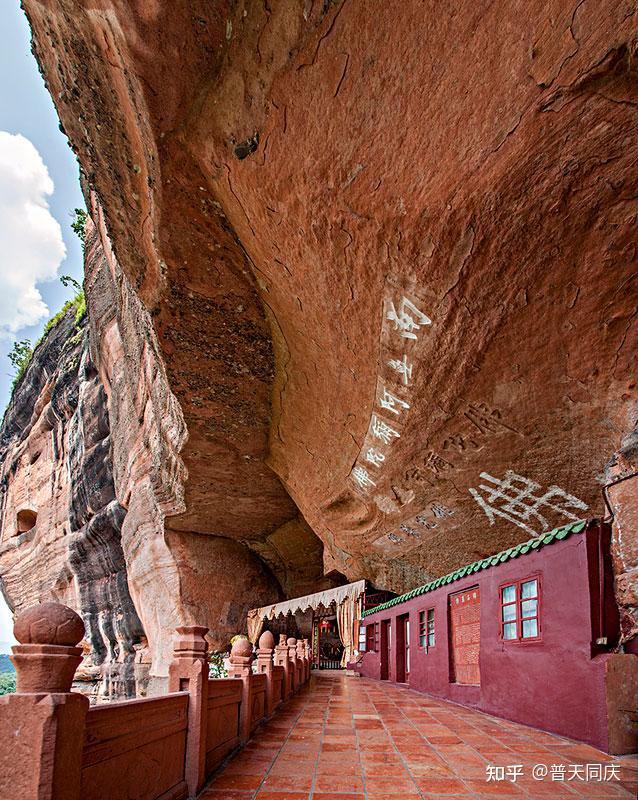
x: 22, y: 352
x: 79, y: 225
x: 216, y: 668
x: 7, y: 682
x: 20, y: 356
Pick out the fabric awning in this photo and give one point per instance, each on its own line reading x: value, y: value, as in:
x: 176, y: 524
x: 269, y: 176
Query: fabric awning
x: 351, y: 591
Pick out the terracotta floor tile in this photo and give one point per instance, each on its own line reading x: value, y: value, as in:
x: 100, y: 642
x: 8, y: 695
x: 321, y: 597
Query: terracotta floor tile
x: 385, y: 770
x: 291, y: 782
x: 444, y: 740
x: 390, y: 785
x: 334, y: 768
x: 338, y: 783
x: 351, y: 759
x: 246, y: 763
x: 441, y: 785
x: 423, y: 773
x: 282, y: 795
x: 448, y: 796
x: 331, y: 747
x: 343, y: 735
x: 385, y: 796
x: 336, y: 796
x: 224, y: 781
x: 494, y: 788
x: 604, y: 789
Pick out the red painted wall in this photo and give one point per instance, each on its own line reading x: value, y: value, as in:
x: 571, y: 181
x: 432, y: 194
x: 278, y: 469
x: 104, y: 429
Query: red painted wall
x: 555, y: 683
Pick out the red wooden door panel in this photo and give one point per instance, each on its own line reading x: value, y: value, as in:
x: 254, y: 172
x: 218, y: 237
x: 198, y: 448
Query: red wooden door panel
x: 465, y: 635
x: 406, y: 645
x: 385, y: 649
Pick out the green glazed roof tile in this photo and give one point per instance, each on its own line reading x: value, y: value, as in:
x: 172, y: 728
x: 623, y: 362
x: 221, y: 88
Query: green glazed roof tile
x: 558, y: 534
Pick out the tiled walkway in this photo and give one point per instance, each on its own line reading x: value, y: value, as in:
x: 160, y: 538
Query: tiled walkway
x: 347, y: 738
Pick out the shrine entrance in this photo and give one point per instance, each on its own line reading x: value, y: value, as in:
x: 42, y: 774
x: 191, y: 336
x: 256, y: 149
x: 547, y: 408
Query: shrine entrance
x: 329, y: 650
x: 329, y: 618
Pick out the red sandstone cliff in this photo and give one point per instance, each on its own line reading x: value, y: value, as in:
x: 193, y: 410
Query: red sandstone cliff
x: 60, y: 520
x: 374, y: 269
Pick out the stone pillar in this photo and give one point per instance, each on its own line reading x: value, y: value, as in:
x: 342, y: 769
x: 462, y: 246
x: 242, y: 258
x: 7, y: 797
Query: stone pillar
x: 301, y: 660
x: 282, y: 660
x: 265, y: 665
x: 309, y: 657
x: 188, y: 672
x: 292, y: 659
x: 42, y: 724
x: 622, y: 493
x: 241, y: 657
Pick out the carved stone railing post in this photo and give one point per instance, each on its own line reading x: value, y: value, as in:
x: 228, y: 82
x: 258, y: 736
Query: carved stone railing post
x: 282, y: 660
x: 265, y: 665
x: 292, y: 659
x: 241, y: 657
x: 42, y: 724
x: 188, y: 672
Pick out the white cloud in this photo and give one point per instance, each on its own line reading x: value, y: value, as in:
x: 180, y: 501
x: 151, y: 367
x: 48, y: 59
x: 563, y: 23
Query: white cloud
x: 31, y: 244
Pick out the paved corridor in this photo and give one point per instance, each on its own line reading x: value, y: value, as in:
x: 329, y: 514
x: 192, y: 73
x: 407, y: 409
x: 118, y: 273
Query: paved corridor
x: 356, y: 739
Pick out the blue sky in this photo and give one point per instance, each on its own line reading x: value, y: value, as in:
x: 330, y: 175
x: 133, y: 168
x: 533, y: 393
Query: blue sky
x: 27, y: 109
x: 40, y: 173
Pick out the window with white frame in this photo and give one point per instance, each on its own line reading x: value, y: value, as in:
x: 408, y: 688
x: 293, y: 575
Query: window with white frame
x: 362, y: 638
x: 426, y: 629
x: 520, y: 610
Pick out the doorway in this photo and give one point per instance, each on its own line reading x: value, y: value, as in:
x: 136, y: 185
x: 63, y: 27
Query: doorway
x: 403, y: 649
x: 329, y: 643
x: 386, y: 647
x: 465, y: 637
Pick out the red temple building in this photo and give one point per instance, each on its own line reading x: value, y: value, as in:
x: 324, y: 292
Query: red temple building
x: 526, y: 635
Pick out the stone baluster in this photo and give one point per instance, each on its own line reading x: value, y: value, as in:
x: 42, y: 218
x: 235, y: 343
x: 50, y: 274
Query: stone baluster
x: 292, y: 659
x: 188, y: 672
x: 282, y: 660
x: 265, y: 665
x: 241, y: 658
x: 42, y: 724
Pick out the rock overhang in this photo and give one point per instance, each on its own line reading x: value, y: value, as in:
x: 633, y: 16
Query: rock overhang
x: 311, y: 185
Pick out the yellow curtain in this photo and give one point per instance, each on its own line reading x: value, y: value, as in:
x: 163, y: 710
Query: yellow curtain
x: 255, y: 625
x: 346, y: 619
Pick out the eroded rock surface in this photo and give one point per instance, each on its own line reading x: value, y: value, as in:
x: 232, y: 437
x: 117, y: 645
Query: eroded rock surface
x: 61, y: 523
x: 370, y: 270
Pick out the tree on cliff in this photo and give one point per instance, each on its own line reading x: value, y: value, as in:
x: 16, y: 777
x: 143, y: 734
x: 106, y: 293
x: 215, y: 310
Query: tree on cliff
x: 20, y: 356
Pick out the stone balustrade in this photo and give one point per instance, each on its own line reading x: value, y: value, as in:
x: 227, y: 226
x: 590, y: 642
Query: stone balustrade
x: 57, y: 747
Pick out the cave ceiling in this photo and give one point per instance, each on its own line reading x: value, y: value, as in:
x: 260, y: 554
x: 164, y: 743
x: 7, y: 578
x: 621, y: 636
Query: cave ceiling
x: 389, y: 250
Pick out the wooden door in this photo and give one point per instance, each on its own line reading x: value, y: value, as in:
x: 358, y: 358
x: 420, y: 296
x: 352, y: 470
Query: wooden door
x: 402, y: 651
x: 465, y: 636
x: 386, y: 640
x: 406, y: 647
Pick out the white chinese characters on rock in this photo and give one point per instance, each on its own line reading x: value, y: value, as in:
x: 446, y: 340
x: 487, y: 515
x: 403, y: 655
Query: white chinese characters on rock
x: 402, y: 367
x: 403, y: 321
x: 409, y: 532
x: 518, y: 500
x: 407, y: 319
x: 391, y: 403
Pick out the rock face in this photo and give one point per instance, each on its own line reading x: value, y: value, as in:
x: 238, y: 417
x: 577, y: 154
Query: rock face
x: 366, y: 299
x: 177, y: 576
x: 61, y: 523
